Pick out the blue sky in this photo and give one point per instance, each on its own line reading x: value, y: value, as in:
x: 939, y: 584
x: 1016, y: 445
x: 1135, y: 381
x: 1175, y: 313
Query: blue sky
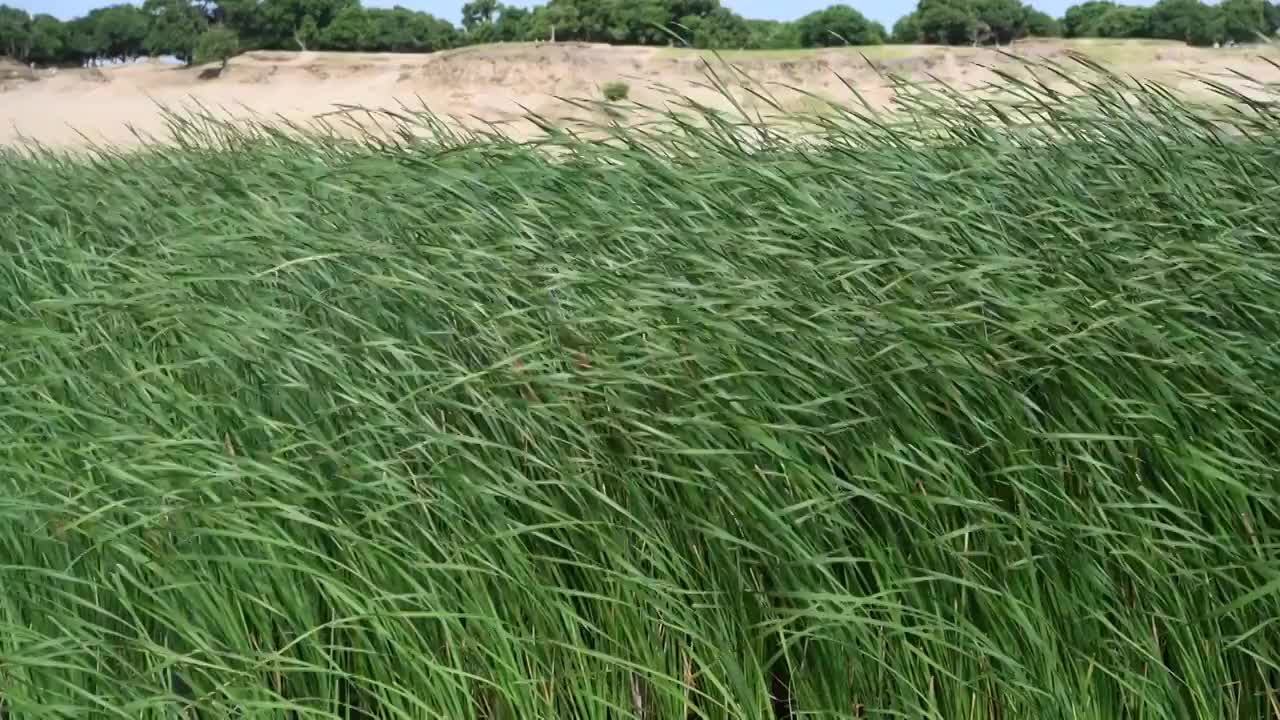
x: 886, y: 11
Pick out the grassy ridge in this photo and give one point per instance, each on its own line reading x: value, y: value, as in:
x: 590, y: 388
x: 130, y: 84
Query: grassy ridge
x: 980, y: 428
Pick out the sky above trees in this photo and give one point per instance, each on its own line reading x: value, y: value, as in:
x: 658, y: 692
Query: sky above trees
x: 884, y: 11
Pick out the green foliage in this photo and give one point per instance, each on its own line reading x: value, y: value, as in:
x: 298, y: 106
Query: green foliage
x: 218, y: 44
x: 1005, y: 20
x: 1122, y: 21
x: 721, y: 28
x: 657, y: 428
x: 50, y: 39
x: 402, y: 30
x: 1242, y: 20
x: 954, y: 22
x: 120, y: 31
x: 308, y: 34
x: 1042, y: 24
x: 15, y: 32
x: 639, y: 22
x: 174, y: 27
x: 838, y: 25
x: 1209, y: 32
x: 82, y: 46
x: 1191, y: 21
x: 350, y: 30
x: 772, y: 35
x: 477, y: 13
x: 487, y: 21
x: 1177, y: 19
x: 278, y: 24
x: 946, y: 22
x: 1079, y: 20
x: 616, y: 90
x: 249, y: 19
x: 512, y: 24
x: 907, y: 29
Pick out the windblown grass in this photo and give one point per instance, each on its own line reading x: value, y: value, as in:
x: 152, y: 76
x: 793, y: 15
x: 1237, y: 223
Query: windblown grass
x: 971, y: 416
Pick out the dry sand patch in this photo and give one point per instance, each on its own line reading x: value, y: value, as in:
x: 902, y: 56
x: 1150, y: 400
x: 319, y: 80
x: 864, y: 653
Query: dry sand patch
x: 499, y: 83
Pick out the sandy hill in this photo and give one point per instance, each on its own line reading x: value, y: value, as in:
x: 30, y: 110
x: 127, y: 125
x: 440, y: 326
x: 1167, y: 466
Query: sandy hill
x: 13, y: 74
x: 494, y: 83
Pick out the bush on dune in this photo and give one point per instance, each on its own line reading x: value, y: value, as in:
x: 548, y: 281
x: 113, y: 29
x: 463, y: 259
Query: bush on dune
x: 886, y: 427
x: 615, y: 91
x: 218, y: 44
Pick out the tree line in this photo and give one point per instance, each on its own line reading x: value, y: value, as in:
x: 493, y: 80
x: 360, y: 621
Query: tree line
x: 176, y: 27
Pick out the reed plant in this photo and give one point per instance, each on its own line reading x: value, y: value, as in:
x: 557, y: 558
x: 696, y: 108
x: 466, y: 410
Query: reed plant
x: 971, y: 412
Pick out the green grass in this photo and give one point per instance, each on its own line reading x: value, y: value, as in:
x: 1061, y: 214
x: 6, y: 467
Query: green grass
x: 978, y: 421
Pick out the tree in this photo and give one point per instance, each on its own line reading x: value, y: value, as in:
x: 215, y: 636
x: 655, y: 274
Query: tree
x: 556, y: 20
x: 512, y: 24
x: 1122, y: 21
x: 838, y: 25
x: 219, y: 43
x: 308, y: 33
x: 278, y: 24
x: 82, y: 41
x: 1079, y: 19
x: 120, y: 31
x: 634, y: 22
x: 721, y: 29
x: 772, y: 35
x: 48, y: 40
x: 691, y: 8
x: 15, y: 32
x: 398, y: 29
x: 592, y: 20
x: 1041, y: 24
x: 1242, y: 20
x: 477, y: 13
x: 389, y: 30
x: 1209, y: 31
x: 907, y: 29
x: 1005, y: 19
x: 248, y: 19
x: 1177, y: 19
x: 641, y: 22
x: 350, y: 30
x: 433, y: 33
x: 947, y: 22
x: 174, y: 28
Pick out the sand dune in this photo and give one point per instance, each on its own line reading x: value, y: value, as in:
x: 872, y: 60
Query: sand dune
x: 499, y: 83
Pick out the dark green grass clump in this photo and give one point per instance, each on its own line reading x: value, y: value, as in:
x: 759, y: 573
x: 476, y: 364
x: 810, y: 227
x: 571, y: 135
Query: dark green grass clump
x: 985, y: 427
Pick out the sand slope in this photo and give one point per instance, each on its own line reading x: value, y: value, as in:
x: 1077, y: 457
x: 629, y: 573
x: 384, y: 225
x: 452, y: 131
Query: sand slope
x: 497, y: 83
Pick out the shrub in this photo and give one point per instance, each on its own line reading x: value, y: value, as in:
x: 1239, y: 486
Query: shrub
x: 218, y: 44
x: 616, y: 90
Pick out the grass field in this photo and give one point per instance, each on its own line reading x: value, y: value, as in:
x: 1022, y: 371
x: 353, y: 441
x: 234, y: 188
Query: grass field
x: 979, y: 425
